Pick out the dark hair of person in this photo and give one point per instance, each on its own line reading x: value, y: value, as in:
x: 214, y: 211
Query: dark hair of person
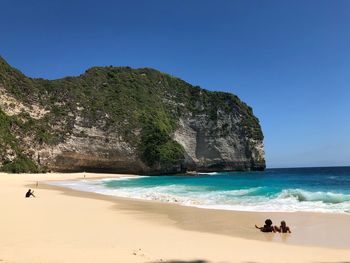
x: 268, y: 222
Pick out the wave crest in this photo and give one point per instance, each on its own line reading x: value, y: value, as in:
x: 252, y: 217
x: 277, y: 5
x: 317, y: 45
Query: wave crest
x: 325, y: 197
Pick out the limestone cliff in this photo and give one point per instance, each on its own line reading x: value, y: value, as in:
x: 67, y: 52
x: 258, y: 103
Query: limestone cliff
x: 118, y: 119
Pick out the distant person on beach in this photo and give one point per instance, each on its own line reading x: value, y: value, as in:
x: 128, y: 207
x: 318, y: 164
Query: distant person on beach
x: 267, y: 227
x: 30, y: 193
x: 283, y: 228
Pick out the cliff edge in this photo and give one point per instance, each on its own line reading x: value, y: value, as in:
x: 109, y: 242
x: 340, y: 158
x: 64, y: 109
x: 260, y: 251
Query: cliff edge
x: 123, y: 120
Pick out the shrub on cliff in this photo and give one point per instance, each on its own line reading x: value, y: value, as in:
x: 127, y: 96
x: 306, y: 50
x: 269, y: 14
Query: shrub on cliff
x: 21, y: 164
x: 157, y: 147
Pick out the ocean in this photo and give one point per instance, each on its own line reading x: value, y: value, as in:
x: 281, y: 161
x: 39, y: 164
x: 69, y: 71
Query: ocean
x: 325, y: 189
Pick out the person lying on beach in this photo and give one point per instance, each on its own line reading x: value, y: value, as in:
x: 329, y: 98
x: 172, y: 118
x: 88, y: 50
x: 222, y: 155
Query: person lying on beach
x: 283, y: 228
x: 267, y: 227
x: 30, y: 193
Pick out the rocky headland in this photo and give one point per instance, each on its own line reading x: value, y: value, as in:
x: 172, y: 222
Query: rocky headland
x: 123, y: 120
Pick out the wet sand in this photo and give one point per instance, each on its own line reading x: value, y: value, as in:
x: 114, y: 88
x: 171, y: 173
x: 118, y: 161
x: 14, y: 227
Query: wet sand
x: 62, y: 225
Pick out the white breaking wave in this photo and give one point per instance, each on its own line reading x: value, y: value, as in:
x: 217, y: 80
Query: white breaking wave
x: 326, y: 197
x: 250, y: 199
x: 211, y: 173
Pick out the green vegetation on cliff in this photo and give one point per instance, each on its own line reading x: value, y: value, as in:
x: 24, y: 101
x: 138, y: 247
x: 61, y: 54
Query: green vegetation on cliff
x: 10, y: 145
x: 113, y: 98
x: 156, y: 145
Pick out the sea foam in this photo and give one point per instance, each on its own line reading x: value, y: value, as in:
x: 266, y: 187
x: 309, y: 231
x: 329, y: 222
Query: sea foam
x: 289, y: 200
x: 263, y: 192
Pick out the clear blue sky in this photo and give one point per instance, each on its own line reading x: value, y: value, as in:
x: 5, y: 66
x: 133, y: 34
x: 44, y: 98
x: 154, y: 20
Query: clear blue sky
x: 289, y: 60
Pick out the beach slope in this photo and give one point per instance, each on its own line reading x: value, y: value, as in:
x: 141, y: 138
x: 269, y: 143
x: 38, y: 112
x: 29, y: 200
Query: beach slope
x: 62, y: 226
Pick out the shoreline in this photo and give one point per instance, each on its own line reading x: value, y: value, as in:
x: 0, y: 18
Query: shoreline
x: 176, y: 202
x: 303, y: 235
x: 65, y: 225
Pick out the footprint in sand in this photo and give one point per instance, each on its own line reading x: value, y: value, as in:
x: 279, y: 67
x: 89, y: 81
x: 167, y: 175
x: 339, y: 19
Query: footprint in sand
x: 139, y: 252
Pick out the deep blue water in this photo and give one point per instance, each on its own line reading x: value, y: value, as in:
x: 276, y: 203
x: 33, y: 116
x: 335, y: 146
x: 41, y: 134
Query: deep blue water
x: 295, y: 189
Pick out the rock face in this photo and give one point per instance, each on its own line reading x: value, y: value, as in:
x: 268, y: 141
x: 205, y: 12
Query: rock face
x: 209, y: 148
x: 123, y: 120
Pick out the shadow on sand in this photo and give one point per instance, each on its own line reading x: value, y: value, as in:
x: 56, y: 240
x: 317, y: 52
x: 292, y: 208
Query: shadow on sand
x: 181, y: 261
x: 204, y: 261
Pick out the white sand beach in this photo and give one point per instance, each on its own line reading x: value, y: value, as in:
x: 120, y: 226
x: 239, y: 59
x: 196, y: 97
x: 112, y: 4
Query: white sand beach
x: 62, y: 225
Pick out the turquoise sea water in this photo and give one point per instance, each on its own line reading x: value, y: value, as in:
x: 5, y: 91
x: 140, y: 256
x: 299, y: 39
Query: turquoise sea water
x: 298, y: 189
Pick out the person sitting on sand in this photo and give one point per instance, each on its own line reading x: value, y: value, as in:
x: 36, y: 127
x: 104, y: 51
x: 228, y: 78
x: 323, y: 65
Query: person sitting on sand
x: 283, y: 228
x: 30, y: 193
x: 267, y: 227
